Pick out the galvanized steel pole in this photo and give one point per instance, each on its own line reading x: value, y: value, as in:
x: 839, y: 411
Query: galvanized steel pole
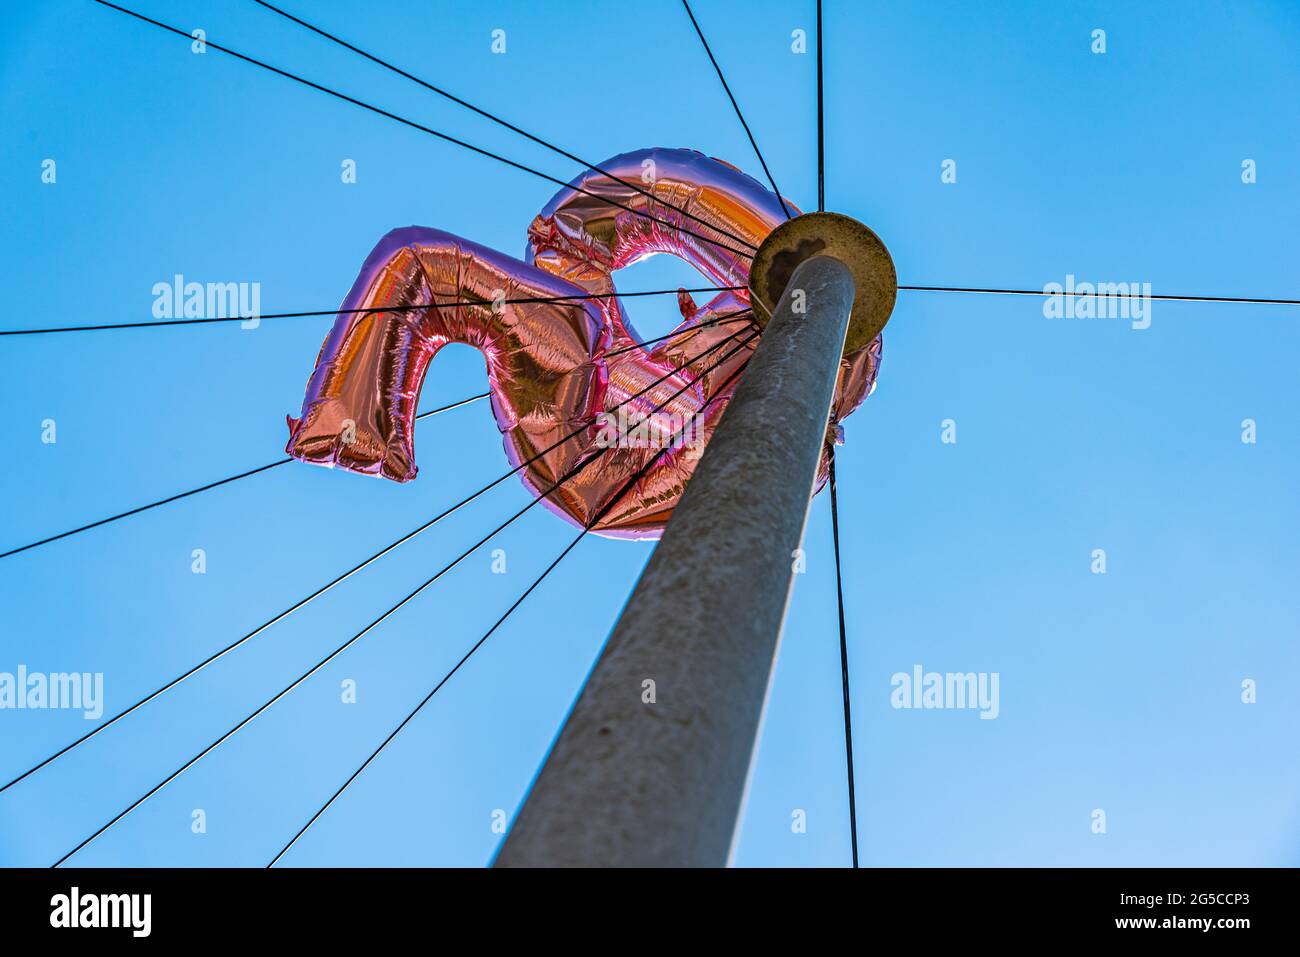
x: 652, y: 764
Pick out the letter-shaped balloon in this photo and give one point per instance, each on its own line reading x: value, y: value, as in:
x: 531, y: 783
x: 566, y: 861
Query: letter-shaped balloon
x: 554, y: 367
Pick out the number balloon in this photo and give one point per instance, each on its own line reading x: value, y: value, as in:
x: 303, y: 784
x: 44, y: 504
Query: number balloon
x: 562, y: 368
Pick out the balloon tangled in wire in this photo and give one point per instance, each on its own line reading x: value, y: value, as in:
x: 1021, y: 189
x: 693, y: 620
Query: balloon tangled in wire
x: 568, y: 377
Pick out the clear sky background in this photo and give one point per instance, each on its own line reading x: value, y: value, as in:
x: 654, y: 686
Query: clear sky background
x: 1118, y: 692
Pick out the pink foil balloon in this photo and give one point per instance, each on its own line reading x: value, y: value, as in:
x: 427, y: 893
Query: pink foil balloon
x: 554, y: 367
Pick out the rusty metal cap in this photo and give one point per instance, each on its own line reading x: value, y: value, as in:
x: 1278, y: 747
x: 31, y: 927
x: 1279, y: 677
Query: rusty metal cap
x: 845, y: 239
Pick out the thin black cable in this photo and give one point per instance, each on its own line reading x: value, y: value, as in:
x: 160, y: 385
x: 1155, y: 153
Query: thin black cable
x: 821, y: 124
x: 648, y: 292
x: 307, y: 674
x: 499, y: 622
x: 496, y: 119
x: 204, y: 488
x: 725, y: 86
x: 741, y: 316
x: 343, y: 577
x: 417, y: 126
x: 460, y: 304
x: 726, y: 318
x: 214, y: 656
x: 365, y: 764
x: 355, y: 638
x: 844, y: 666
x: 1090, y: 295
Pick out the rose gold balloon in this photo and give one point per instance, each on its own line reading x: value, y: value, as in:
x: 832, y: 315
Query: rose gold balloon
x: 559, y: 368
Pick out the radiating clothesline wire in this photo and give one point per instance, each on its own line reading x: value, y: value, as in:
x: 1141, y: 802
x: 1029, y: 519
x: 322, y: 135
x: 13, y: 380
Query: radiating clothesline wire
x: 821, y: 201
x: 1170, y: 297
x: 1099, y: 295
x: 203, y: 488
x: 422, y: 128
x: 844, y: 665
x: 461, y: 304
x: 216, y: 656
x: 496, y: 119
x: 722, y: 319
x: 821, y: 123
x: 357, y: 637
x: 393, y: 734
x: 835, y: 508
x: 488, y: 634
x: 727, y: 87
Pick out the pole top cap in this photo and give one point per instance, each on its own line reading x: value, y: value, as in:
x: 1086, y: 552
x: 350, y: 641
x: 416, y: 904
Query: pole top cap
x: 840, y: 237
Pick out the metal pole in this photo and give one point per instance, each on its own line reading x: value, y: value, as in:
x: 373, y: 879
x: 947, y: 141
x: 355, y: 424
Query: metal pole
x: 652, y: 764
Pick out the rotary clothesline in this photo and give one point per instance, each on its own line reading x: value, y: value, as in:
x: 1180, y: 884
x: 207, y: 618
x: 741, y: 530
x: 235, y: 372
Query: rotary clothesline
x: 571, y: 473
x: 499, y: 158
x: 352, y: 571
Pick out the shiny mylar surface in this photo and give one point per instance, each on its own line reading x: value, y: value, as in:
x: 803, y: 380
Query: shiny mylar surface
x: 553, y: 368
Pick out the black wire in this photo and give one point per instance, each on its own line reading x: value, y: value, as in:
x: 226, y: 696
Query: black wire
x: 610, y: 295
x: 145, y: 508
x: 216, y: 655
x: 347, y: 644
x: 307, y: 674
x: 821, y: 125
x: 726, y: 318
x: 496, y: 119
x: 424, y: 129
x: 843, y: 643
x: 835, y: 511
x: 369, y: 309
x: 499, y: 622
x: 204, y: 488
x: 725, y: 86
x: 366, y: 763
x: 1041, y: 292
x: 844, y: 665
x: 742, y: 315
x: 339, y: 579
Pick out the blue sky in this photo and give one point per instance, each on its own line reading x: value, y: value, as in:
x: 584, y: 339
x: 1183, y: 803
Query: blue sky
x: 1119, y: 692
